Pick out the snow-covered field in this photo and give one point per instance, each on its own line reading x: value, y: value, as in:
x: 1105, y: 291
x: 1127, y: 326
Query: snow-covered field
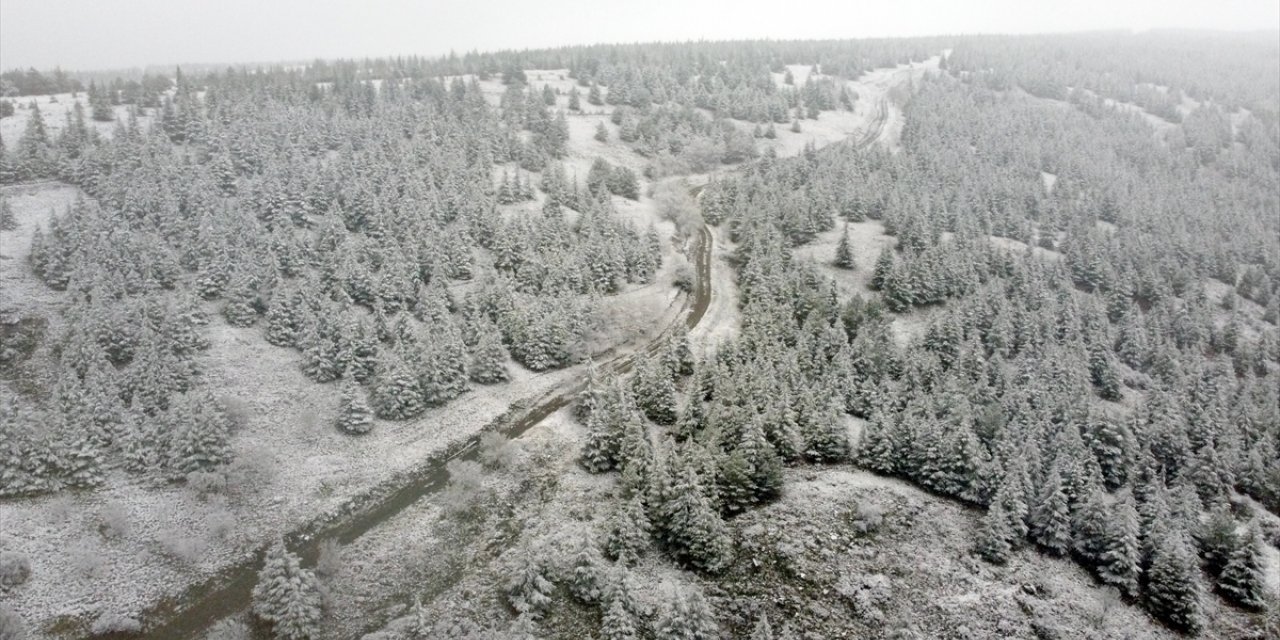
x: 55, y: 109
x: 173, y: 537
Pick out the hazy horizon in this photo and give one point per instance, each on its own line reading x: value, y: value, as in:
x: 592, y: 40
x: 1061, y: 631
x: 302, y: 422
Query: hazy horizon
x: 78, y: 35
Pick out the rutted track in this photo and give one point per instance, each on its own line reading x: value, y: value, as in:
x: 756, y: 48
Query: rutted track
x: 228, y: 592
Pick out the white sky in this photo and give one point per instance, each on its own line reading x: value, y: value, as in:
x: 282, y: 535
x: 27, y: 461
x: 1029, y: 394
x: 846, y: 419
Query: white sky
x: 107, y: 34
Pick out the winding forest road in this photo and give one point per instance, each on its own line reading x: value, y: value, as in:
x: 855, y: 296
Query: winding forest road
x: 228, y: 593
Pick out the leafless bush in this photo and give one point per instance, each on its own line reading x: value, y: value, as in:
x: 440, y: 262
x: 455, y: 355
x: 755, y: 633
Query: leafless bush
x: 185, y: 549
x: 207, y: 483
x: 1108, y: 601
x: 250, y: 469
x: 87, y: 560
x: 113, y: 522
x: 11, y: 625
x: 684, y: 276
x: 229, y: 629
x: 496, y: 450
x: 237, y: 411
x: 329, y: 562
x: 220, y: 522
x: 109, y: 623
x: 15, y: 569
x: 868, y: 518
x: 60, y: 510
x: 466, y: 481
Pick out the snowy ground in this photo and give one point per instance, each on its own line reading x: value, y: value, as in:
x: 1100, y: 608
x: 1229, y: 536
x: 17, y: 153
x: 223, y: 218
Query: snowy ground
x: 912, y: 574
x: 33, y: 206
x: 307, y: 467
x: 55, y: 109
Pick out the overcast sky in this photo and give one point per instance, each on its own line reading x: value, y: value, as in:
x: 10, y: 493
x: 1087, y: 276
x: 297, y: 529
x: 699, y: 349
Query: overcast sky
x: 109, y: 34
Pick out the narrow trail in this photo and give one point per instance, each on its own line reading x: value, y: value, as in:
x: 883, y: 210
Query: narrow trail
x: 228, y: 592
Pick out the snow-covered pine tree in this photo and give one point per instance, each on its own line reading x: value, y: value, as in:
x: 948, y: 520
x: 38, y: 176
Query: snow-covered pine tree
x: 488, y: 357
x: 1120, y: 562
x: 619, y: 623
x: 1243, y: 578
x: 1051, y: 516
x: 995, y: 539
x: 397, y: 392
x: 354, y: 415
x: 844, y: 252
x: 627, y: 531
x: 287, y: 597
x: 686, y: 615
x: 695, y: 533
x: 655, y: 392
x: 1173, y: 590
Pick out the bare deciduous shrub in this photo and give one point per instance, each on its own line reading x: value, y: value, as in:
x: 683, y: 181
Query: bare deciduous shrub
x: 683, y: 279
x: 868, y: 518
x: 496, y: 450
x: 329, y: 563
x: 109, y: 623
x: 466, y: 480
x: 11, y: 625
x: 60, y: 510
x: 221, y: 523
x: 236, y: 410
x: 250, y: 469
x: 15, y: 569
x: 230, y: 629
x: 185, y: 549
x: 87, y: 559
x: 207, y: 483
x: 1108, y: 601
x: 113, y: 522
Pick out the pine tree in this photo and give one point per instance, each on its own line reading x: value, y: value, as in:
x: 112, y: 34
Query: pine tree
x: 354, y: 415
x: 489, y: 357
x: 241, y: 310
x: 7, y: 221
x: 604, y: 431
x: 844, y: 252
x: 602, y: 133
x: 1120, y: 562
x: 995, y: 540
x: 696, y: 534
x: 1173, y: 591
x: 655, y: 392
x: 627, y: 532
x: 763, y: 630
x: 287, y: 597
x: 1243, y: 578
x: 199, y: 434
x: 1051, y: 516
x: 397, y: 393
x: 883, y: 270
x: 619, y: 623
x: 687, y: 616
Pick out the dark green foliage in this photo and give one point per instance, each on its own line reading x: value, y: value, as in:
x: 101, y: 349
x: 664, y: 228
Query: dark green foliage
x: 691, y: 528
x: 488, y: 357
x: 686, y: 616
x: 844, y: 252
x: 1051, y: 517
x: 1243, y: 577
x: 655, y: 392
x: 354, y: 415
x: 287, y: 597
x: 1173, y: 589
x: 397, y: 392
x: 627, y: 532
